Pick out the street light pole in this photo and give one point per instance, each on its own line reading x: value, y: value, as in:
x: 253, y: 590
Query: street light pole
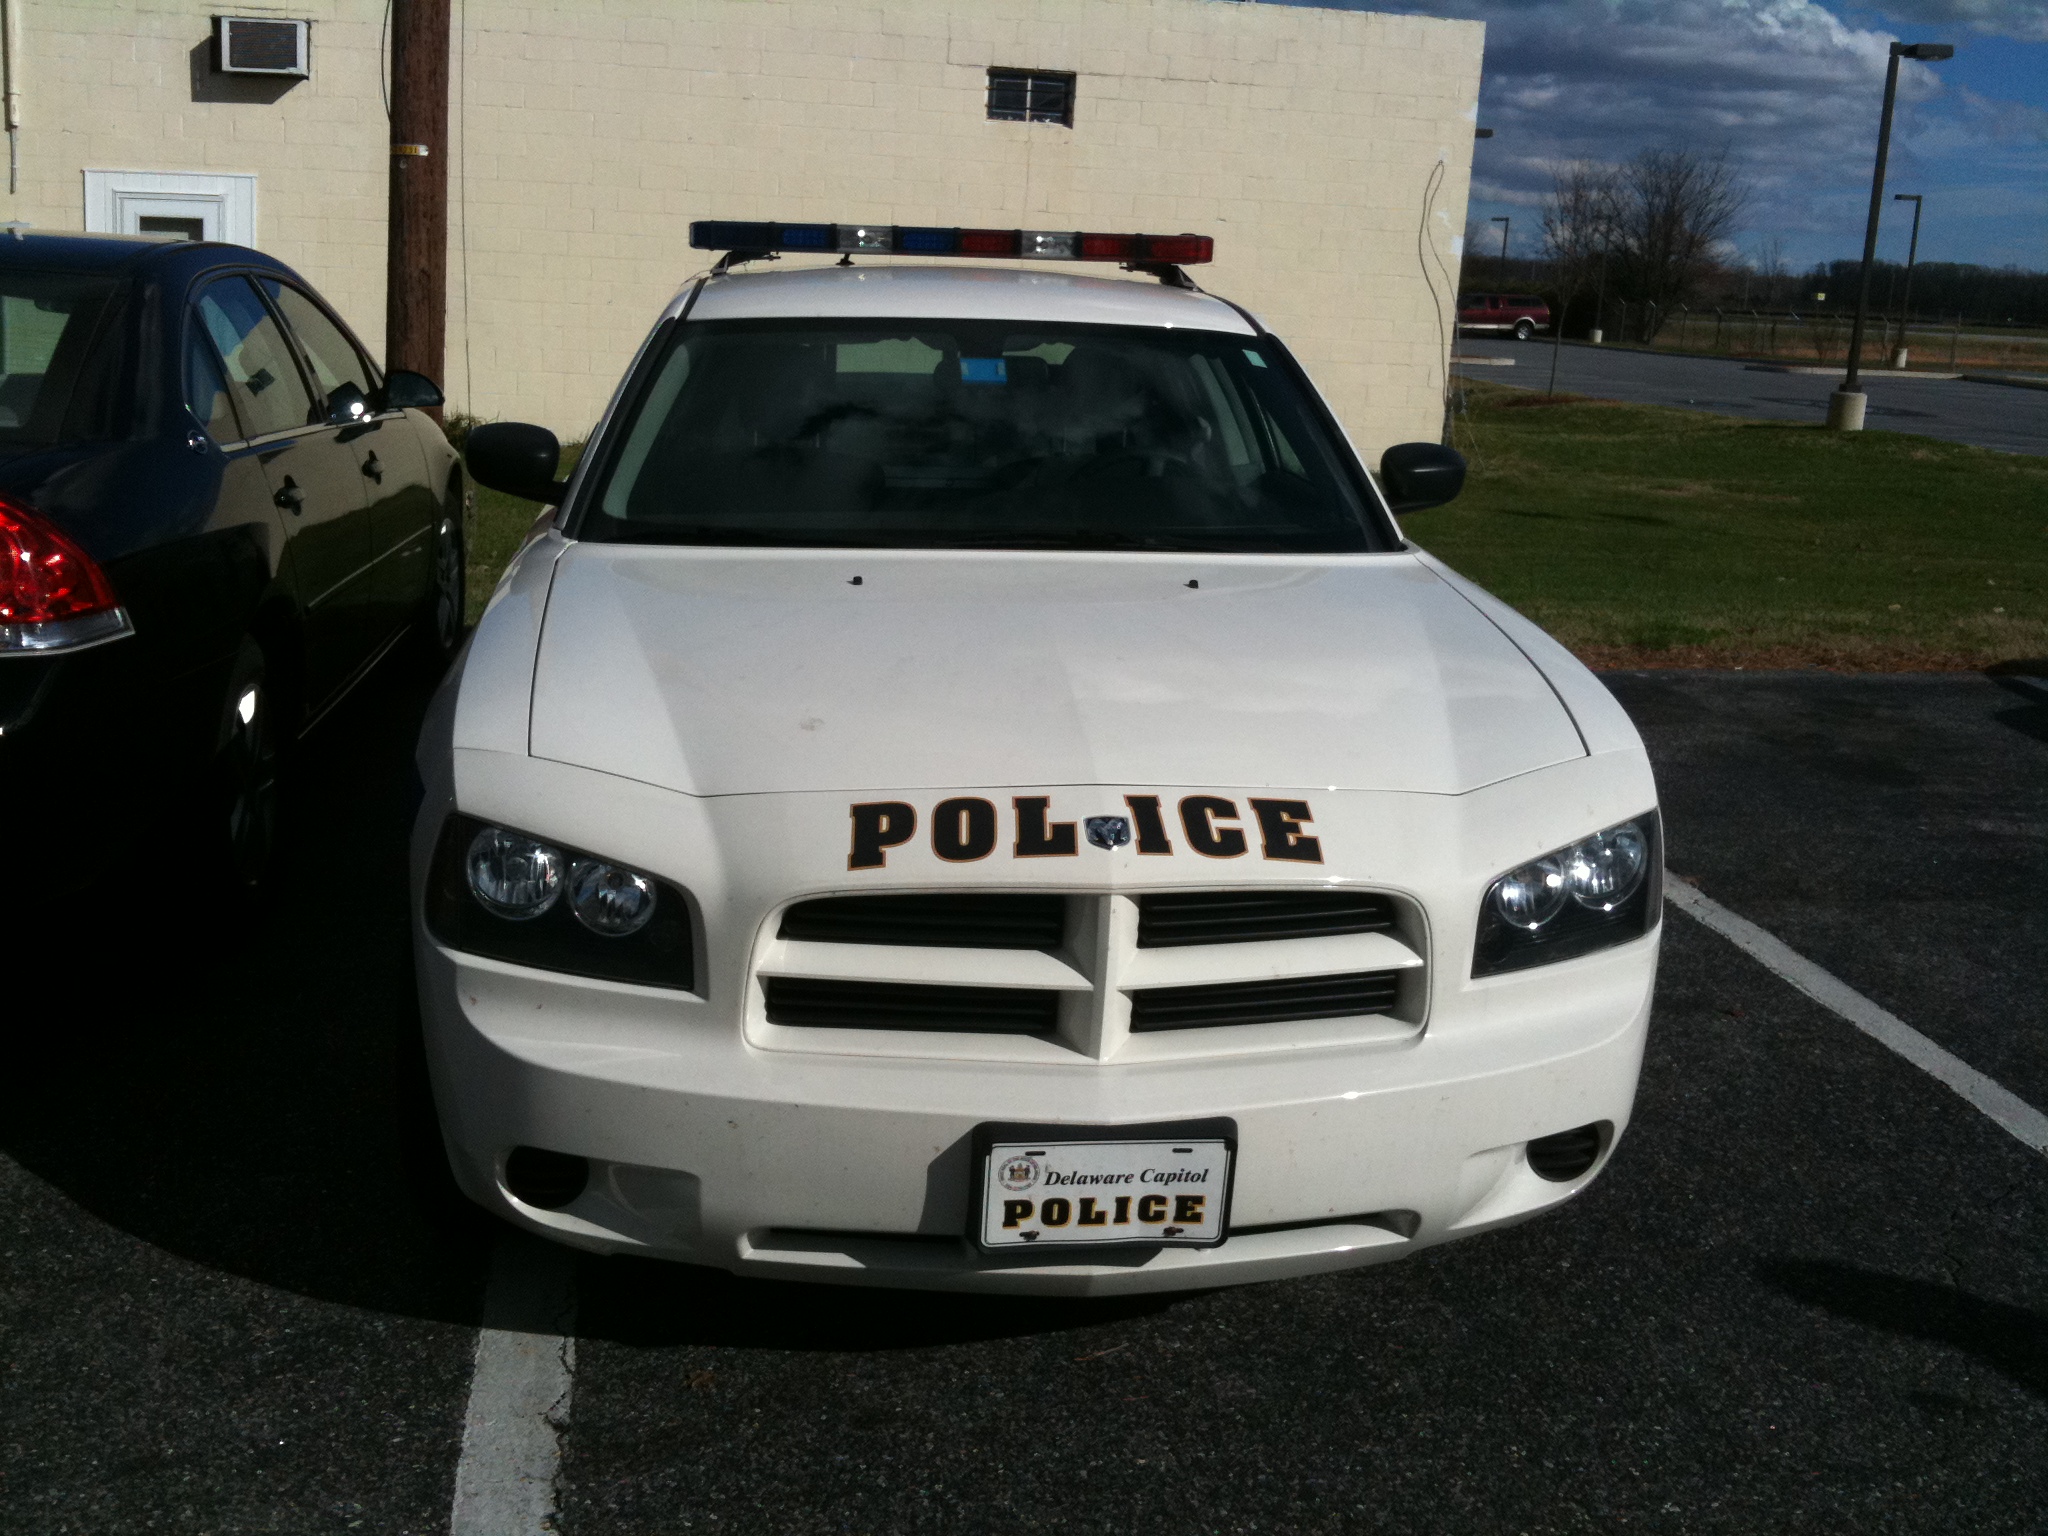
x: 1845, y: 406
x: 1505, y: 224
x: 1900, y: 353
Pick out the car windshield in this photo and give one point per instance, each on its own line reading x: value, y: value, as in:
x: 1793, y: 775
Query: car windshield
x: 972, y: 434
x: 46, y: 323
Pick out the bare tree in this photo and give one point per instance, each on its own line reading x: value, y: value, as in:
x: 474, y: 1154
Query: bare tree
x: 1582, y: 223
x: 1581, y: 228
x: 1677, y: 206
x: 1770, y: 264
x: 1647, y: 229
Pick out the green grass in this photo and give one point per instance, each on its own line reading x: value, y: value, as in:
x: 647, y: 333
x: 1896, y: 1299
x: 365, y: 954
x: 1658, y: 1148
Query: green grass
x: 1645, y: 536
x: 497, y: 526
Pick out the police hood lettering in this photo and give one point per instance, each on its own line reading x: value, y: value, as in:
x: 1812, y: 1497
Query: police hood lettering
x: 741, y: 671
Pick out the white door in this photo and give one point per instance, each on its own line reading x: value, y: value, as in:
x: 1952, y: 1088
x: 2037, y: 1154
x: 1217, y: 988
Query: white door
x: 178, y: 204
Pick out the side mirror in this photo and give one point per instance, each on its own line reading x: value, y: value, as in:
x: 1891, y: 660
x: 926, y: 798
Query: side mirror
x: 1420, y: 475
x: 405, y: 390
x: 346, y: 406
x: 516, y: 458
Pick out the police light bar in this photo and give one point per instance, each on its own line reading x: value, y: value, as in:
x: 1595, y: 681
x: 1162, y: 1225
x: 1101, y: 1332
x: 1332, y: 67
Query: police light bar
x: 909, y: 240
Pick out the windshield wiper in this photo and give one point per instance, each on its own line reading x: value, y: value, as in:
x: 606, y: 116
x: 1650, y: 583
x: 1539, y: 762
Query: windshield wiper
x: 713, y: 533
x: 1084, y: 538
x: 912, y: 538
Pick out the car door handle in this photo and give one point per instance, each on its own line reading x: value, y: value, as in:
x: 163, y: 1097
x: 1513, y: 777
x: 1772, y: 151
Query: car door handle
x: 373, y: 469
x: 290, y: 497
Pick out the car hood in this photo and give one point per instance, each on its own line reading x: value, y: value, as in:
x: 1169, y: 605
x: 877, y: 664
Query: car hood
x: 723, y: 671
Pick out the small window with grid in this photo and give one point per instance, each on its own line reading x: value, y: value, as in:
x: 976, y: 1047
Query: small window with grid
x: 1031, y: 96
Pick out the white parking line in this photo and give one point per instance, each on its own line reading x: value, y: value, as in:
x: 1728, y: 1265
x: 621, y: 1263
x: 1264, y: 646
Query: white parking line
x: 519, y: 1393
x: 2008, y: 1109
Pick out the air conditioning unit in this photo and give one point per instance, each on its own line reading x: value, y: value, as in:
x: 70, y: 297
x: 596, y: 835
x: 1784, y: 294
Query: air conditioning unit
x: 262, y: 45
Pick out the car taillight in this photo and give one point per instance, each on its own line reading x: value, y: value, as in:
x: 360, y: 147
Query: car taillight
x: 53, y: 595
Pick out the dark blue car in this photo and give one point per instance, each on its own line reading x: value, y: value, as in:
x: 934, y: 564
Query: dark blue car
x: 216, y: 516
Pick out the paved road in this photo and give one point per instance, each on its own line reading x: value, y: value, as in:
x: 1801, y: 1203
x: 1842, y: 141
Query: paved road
x: 1989, y: 415
x: 1811, y: 1293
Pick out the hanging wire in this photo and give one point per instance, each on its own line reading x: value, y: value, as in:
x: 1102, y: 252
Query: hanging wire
x: 1422, y: 253
x: 1457, y: 428
x: 461, y: 137
x: 383, y: 65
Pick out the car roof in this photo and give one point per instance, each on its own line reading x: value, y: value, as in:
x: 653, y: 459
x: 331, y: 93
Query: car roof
x: 959, y: 292
x: 74, y: 253
x: 119, y: 255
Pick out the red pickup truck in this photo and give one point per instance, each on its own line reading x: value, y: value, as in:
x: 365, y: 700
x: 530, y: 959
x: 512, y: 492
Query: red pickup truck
x: 1498, y: 313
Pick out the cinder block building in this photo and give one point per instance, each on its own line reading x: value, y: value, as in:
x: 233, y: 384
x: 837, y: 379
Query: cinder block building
x: 1327, y: 151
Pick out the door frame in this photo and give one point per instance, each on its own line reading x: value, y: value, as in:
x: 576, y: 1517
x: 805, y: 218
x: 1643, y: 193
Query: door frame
x: 226, y: 201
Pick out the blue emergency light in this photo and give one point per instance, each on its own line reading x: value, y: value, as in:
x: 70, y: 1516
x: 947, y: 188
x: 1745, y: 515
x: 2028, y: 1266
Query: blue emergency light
x: 911, y: 240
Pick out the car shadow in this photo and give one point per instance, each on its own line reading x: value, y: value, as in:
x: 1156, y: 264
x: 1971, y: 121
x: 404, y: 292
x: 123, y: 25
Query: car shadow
x: 2011, y: 1340
x: 240, y: 1083
x: 2025, y: 681
x: 653, y: 1303
x: 218, y: 1075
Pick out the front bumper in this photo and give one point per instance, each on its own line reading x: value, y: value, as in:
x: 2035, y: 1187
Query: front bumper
x: 841, y: 1155
x: 855, y: 1169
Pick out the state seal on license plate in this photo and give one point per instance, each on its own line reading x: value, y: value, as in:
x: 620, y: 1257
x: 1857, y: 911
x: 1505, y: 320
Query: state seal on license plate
x: 1098, y: 1186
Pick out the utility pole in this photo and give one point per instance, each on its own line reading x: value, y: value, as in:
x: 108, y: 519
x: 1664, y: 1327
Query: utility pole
x: 416, y: 271
x: 1845, y: 406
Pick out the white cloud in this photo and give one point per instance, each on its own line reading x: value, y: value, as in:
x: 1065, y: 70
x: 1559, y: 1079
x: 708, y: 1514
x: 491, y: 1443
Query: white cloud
x: 2026, y: 20
x: 1787, y: 87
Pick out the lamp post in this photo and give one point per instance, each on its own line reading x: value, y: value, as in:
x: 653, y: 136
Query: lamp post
x: 1505, y: 225
x: 1845, y: 406
x: 1900, y: 352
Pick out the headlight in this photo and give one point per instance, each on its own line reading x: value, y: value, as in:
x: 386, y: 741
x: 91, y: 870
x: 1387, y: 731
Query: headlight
x: 503, y: 893
x: 513, y: 875
x: 1602, y: 890
x: 609, y: 900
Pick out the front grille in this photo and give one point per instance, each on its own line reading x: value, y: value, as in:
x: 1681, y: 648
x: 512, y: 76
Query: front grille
x: 814, y: 1003
x: 1172, y: 918
x: 966, y: 921
x: 1264, y: 1002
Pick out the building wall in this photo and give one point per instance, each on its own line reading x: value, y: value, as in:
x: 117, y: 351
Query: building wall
x: 587, y: 134
x: 111, y: 85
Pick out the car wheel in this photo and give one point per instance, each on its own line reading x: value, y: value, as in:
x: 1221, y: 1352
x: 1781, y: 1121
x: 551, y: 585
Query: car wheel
x: 1524, y: 329
x: 442, y: 615
x: 245, y: 771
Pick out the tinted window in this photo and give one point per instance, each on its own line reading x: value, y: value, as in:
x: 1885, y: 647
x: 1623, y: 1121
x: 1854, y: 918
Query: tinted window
x: 206, y: 390
x: 262, y: 373
x: 963, y: 433
x: 46, y: 323
x: 336, y: 363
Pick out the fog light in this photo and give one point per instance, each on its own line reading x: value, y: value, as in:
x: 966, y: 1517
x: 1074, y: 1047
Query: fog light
x: 1564, y: 1156
x: 547, y: 1180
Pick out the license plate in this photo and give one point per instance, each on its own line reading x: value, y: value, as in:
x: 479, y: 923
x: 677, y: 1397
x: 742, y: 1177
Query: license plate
x: 1075, y: 1186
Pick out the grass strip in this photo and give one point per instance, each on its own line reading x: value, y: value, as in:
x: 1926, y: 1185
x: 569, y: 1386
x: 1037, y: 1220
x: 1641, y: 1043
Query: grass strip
x: 496, y: 528
x: 1646, y: 536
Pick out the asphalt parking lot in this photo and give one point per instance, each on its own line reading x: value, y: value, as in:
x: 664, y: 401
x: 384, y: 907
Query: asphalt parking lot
x: 1810, y: 1294
x: 2004, y: 417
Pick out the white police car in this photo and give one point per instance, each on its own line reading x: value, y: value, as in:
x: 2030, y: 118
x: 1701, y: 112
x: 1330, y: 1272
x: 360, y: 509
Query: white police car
x: 973, y: 790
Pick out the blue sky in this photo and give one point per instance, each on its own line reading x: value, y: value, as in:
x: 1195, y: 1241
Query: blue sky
x: 1791, y: 89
